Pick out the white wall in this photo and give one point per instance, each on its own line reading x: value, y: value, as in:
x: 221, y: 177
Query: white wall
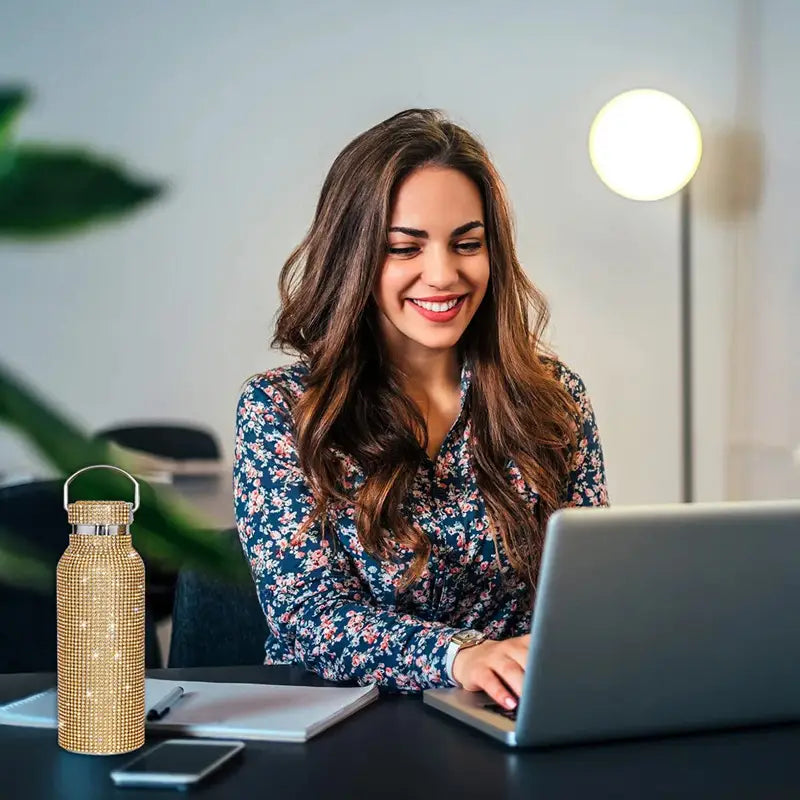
x: 764, y: 423
x: 243, y: 106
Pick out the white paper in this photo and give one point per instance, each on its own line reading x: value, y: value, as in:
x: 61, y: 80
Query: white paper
x: 233, y: 710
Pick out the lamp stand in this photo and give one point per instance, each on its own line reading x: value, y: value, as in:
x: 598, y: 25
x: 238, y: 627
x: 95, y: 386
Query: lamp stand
x: 687, y: 445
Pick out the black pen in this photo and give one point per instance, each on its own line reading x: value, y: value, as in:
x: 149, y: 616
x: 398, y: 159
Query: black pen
x: 161, y: 708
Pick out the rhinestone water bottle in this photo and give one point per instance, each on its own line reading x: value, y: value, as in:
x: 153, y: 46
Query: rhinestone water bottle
x: 100, y: 598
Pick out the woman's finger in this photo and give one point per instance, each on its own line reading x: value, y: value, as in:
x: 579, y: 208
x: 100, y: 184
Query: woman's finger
x: 512, y: 673
x: 495, y: 688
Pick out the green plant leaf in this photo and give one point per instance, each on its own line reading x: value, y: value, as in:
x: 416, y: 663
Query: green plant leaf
x: 165, y: 528
x: 12, y: 100
x: 46, y: 191
x: 22, y: 566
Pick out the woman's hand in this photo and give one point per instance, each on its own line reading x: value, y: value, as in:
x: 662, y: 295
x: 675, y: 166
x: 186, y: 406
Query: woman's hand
x: 494, y: 667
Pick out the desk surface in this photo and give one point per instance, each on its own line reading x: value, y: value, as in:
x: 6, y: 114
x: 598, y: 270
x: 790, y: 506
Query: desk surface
x: 399, y: 748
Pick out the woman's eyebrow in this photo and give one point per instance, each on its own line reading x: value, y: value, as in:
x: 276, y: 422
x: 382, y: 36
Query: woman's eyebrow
x: 420, y: 234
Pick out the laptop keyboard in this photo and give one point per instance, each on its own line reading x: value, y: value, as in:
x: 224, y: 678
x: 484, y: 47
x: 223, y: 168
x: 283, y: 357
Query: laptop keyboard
x: 498, y: 709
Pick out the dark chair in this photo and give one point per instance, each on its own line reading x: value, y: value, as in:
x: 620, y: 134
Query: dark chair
x: 34, y: 514
x: 215, y: 623
x: 179, y: 442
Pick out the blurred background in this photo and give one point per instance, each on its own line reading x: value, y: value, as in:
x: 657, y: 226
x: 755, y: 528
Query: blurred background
x: 241, y: 107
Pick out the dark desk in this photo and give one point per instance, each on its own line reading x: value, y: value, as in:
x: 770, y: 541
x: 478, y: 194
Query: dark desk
x: 398, y: 748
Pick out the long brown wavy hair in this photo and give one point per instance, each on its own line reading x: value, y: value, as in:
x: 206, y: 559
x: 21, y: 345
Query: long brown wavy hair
x: 354, y: 402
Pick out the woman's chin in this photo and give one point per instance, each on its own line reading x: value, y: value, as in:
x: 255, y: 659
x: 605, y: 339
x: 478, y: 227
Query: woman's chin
x: 435, y: 340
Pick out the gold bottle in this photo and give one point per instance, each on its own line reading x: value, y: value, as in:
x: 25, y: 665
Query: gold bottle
x: 100, y: 596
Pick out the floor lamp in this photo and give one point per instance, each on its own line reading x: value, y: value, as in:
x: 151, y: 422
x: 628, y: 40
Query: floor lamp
x: 646, y: 145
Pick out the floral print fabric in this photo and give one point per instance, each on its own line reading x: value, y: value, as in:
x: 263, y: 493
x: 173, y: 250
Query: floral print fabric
x: 336, y: 609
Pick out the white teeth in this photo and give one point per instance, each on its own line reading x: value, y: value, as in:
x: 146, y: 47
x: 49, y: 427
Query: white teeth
x: 437, y: 306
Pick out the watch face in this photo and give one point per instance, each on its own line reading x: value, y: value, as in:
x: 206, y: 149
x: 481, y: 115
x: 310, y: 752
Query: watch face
x: 468, y: 637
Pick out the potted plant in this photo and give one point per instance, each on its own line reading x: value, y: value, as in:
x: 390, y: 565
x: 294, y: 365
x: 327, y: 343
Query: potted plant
x: 45, y: 192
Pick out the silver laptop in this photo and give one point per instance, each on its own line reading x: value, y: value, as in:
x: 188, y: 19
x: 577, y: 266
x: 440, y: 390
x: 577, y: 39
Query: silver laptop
x: 656, y: 619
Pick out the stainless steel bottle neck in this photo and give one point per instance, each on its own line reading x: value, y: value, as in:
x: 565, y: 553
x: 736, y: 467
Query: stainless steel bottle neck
x: 100, y: 530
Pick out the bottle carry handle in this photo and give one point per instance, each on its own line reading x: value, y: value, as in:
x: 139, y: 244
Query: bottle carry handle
x: 102, y: 466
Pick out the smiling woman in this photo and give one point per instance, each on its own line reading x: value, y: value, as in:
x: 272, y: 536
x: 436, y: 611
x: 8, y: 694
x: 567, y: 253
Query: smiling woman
x: 393, y: 484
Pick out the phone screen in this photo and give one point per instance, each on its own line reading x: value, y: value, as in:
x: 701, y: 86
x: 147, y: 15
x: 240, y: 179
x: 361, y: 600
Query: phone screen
x: 178, y: 757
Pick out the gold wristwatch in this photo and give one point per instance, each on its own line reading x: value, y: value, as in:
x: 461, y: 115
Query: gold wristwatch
x: 460, y: 641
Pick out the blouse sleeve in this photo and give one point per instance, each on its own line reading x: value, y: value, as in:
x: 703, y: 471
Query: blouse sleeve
x: 586, y: 484
x: 315, y: 604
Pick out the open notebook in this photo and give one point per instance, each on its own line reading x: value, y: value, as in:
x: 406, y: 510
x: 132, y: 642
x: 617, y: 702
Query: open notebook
x: 228, y: 710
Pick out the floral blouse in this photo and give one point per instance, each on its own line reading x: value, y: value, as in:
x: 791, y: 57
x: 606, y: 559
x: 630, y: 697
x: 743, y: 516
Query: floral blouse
x: 336, y: 609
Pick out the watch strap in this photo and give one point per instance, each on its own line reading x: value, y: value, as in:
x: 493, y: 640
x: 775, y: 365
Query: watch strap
x: 457, y: 643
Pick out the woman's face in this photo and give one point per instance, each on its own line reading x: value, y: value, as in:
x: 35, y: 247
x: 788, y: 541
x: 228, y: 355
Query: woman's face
x: 437, y: 264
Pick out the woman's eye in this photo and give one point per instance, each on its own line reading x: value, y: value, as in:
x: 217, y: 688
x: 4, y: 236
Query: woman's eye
x: 467, y: 247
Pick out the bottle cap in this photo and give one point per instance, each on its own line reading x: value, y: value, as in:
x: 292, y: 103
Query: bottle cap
x: 100, y: 512
x: 104, y: 513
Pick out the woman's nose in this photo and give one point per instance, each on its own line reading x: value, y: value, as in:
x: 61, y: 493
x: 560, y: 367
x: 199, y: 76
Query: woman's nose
x: 440, y: 269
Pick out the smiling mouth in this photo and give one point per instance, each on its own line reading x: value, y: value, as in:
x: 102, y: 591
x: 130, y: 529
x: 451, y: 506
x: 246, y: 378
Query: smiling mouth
x: 438, y: 308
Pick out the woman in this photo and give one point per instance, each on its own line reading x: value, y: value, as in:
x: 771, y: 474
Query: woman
x: 393, y: 485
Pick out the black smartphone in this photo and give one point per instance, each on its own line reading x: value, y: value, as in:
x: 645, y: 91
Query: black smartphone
x: 176, y: 763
